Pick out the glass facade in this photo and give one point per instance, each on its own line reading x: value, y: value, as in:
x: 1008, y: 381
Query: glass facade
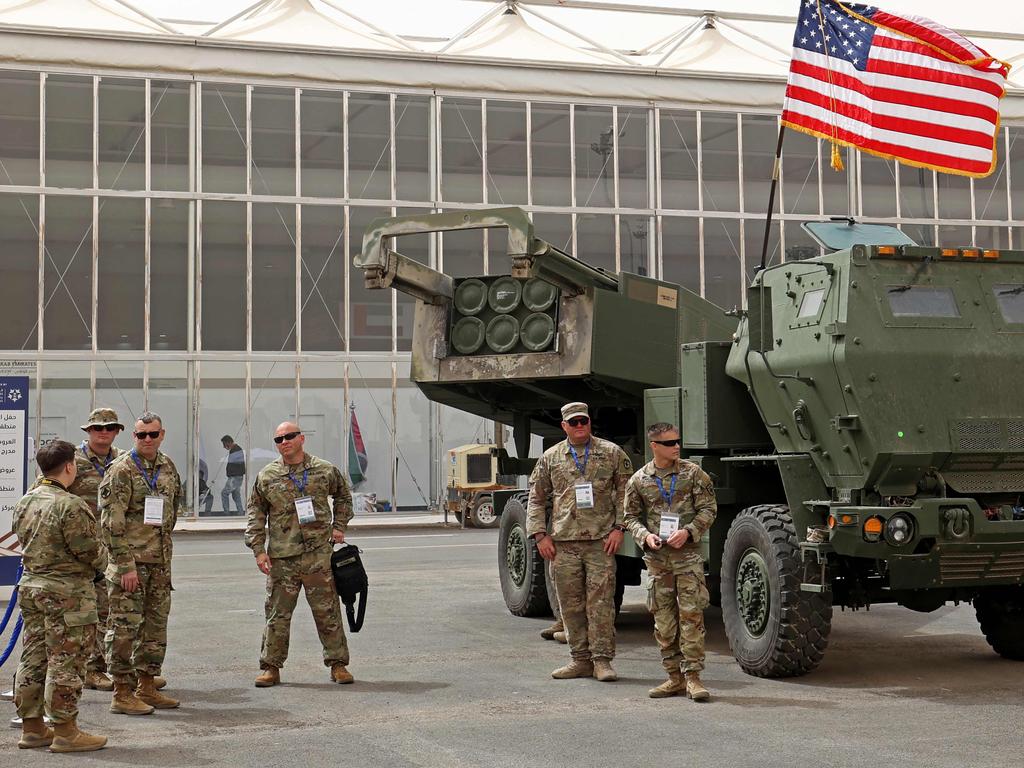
x: 185, y: 245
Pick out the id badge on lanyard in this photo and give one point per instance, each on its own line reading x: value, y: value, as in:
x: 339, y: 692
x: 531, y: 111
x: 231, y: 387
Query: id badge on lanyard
x: 304, y: 508
x: 153, y: 511
x: 669, y: 525
x: 584, y: 495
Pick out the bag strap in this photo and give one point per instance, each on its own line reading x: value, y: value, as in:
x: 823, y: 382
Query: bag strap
x: 355, y: 622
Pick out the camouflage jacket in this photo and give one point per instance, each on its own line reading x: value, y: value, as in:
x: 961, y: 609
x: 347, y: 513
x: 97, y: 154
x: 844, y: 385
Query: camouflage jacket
x: 123, y: 493
x: 554, y: 478
x: 57, y: 532
x: 693, y: 501
x: 91, y: 470
x: 271, y: 507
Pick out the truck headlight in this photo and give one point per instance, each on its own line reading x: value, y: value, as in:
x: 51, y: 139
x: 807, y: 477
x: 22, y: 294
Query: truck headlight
x: 899, y: 529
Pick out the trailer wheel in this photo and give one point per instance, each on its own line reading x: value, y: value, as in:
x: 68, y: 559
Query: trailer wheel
x: 774, y: 629
x: 520, y: 566
x: 1000, y: 613
x: 481, y: 515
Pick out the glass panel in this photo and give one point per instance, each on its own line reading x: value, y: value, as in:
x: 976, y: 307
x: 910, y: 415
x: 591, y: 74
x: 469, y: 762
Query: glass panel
x: 916, y: 193
x: 800, y: 173
x: 223, y: 280
x: 1011, y: 301
x: 122, y: 148
x: 753, y: 235
x: 554, y: 228
x: 922, y: 234
x: 990, y: 192
x: 370, y: 393
x: 66, y: 402
x: 273, y: 277
x: 169, y: 125
x: 272, y: 402
x: 120, y: 303
x: 918, y: 301
x: 760, y: 137
x: 323, y: 278
x: 67, y: 282
x: 370, y: 325
x: 413, y: 420
x: 461, y: 158
x: 595, y: 240
x: 322, y: 405
x: 633, y: 135
x: 549, y: 139
x: 955, y: 237
x: 799, y: 245
x: 1016, y: 156
x: 369, y: 146
x: 679, y: 160
x: 506, y: 152
x: 463, y: 253
x: 681, y: 251
x: 223, y: 138
x: 878, y: 183
x: 811, y: 303
x: 634, y: 237
x: 19, y: 290
x: 834, y: 189
x: 168, y: 301
x: 722, y: 273
x: 273, y: 141
x: 720, y: 154
x: 19, y: 125
x: 68, y: 131
x: 168, y: 397
x: 594, y: 144
x: 992, y: 237
x: 954, y: 196
x: 416, y: 247
x: 412, y: 153
x: 119, y: 386
x: 222, y: 413
x: 322, y: 144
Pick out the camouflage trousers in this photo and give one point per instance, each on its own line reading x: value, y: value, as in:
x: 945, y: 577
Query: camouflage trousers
x: 310, y: 571
x: 97, y: 659
x: 549, y: 565
x: 136, y: 638
x: 584, y: 578
x: 59, y: 631
x: 677, y: 596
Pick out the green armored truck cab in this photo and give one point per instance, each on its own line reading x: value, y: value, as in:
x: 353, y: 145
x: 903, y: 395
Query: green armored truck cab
x: 859, y: 418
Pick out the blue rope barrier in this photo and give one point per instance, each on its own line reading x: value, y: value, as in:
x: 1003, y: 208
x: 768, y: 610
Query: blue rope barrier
x: 13, y: 641
x: 7, y: 617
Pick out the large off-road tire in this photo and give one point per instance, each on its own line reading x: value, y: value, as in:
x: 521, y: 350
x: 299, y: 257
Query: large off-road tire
x: 774, y: 629
x: 1000, y: 612
x: 520, y: 566
x: 481, y: 514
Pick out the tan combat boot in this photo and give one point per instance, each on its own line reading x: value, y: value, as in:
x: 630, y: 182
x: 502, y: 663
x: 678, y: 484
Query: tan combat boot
x: 560, y: 637
x: 34, y: 733
x: 268, y: 677
x: 98, y: 681
x: 603, y: 671
x: 148, y: 693
x: 695, y: 688
x: 67, y: 738
x: 575, y: 668
x: 125, y: 702
x: 671, y: 687
x: 341, y: 675
x: 159, y: 683
x: 554, y: 629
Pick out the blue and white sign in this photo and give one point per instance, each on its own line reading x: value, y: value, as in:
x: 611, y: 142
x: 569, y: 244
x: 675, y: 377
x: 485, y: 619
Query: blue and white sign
x: 13, y: 445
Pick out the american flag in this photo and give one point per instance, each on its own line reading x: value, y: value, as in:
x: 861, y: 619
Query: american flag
x: 898, y: 87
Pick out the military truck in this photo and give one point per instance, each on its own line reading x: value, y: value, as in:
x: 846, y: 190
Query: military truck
x: 860, y: 417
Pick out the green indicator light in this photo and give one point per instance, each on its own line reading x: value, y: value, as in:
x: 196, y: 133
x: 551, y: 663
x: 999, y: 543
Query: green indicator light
x: 900, y: 434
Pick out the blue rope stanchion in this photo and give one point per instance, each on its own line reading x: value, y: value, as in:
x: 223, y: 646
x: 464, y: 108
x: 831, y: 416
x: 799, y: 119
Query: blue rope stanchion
x: 7, y: 617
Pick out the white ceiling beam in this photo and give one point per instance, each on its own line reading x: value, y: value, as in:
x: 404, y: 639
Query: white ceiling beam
x: 252, y: 8
x: 374, y: 27
x: 584, y: 38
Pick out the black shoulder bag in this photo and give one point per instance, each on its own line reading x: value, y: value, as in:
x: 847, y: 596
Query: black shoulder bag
x: 350, y: 582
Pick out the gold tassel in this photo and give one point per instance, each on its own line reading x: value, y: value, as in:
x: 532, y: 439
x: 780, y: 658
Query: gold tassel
x: 837, y: 160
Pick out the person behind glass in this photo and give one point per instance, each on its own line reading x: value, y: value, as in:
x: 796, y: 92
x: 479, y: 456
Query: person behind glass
x: 140, y: 498
x: 289, y: 500
x: 205, y: 492
x: 234, y: 475
x: 585, y: 479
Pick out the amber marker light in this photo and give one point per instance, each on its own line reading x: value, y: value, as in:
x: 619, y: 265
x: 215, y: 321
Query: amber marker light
x: 970, y: 253
x: 873, y: 528
x: 990, y: 254
x: 831, y: 521
x: 950, y: 253
x: 846, y: 519
x: 887, y: 250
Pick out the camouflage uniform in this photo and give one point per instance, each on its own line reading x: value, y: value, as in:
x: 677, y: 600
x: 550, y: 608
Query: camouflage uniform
x: 58, y: 601
x: 584, y: 575
x: 300, y: 553
x: 677, y: 593
x: 136, y: 637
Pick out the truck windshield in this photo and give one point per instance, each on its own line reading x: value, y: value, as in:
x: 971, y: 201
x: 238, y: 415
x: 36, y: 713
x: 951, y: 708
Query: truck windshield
x: 919, y: 301
x: 1011, y: 301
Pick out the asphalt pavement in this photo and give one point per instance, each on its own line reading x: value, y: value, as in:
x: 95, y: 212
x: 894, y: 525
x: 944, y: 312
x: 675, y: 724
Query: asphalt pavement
x: 446, y: 677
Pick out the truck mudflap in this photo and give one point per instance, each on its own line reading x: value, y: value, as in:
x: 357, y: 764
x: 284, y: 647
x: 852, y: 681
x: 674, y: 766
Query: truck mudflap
x: 940, y: 542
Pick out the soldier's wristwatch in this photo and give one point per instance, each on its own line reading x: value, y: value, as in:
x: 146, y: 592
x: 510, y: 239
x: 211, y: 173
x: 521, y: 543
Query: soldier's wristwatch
x: 619, y: 528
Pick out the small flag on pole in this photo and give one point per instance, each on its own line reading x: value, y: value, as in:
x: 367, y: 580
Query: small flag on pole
x: 357, y: 460
x: 899, y: 87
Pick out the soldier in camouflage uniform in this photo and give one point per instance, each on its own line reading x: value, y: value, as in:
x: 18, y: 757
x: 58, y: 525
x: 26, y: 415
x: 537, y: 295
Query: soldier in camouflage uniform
x: 670, y: 505
x: 585, y: 478
x: 61, y: 556
x: 290, y: 502
x: 140, y: 497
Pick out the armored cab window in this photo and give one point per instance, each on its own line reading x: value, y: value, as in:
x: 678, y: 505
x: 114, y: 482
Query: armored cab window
x: 920, y: 301
x: 1011, y: 301
x: 810, y: 304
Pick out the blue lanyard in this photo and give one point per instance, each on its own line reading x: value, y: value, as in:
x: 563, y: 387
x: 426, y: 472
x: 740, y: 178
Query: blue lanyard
x: 305, y: 477
x: 101, y: 468
x: 576, y: 457
x: 671, y: 489
x: 151, y: 482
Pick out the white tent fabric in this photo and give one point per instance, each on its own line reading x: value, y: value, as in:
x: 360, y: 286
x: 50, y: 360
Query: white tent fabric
x: 711, y: 50
x: 99, y: 15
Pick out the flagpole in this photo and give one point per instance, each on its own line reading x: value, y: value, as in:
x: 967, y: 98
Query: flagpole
x: 771, y: 197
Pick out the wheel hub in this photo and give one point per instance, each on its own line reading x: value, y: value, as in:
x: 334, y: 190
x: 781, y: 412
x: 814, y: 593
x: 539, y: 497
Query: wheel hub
x: 753, y: 598
x: 485, y: 514
x: 515, y: 556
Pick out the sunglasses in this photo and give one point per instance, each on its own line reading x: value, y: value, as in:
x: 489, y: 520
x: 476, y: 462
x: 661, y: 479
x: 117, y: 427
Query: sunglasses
x: 105, y: 428
x: 150, y: 435
x: 668, y: 443
x: 286, y: 436
x: 578, y: 421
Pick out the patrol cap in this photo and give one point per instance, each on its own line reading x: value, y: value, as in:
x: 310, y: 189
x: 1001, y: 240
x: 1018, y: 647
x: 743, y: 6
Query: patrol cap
x: 569, y: 410
x: 101, y: 417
